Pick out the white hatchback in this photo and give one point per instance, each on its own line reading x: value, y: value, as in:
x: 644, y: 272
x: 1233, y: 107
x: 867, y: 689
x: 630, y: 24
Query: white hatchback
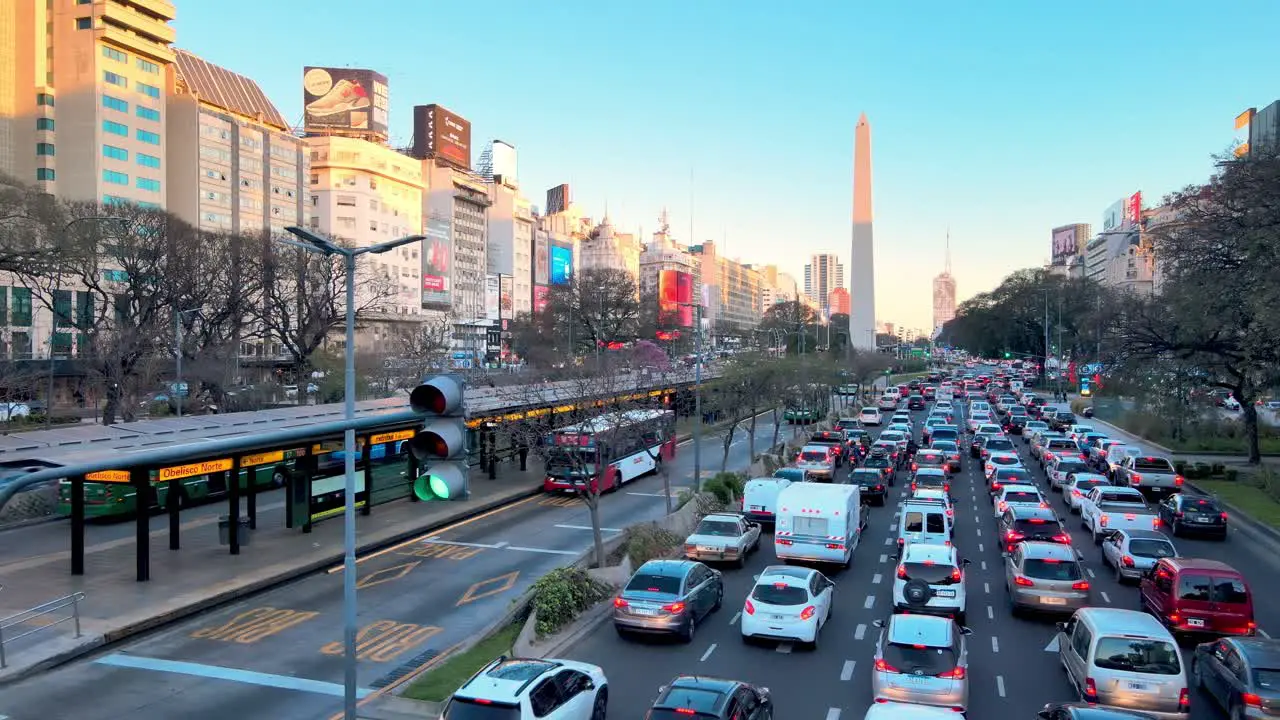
x: 930, y: 580
x: 870, y: 416
x: 787, y: 603
x: 1015, y: 496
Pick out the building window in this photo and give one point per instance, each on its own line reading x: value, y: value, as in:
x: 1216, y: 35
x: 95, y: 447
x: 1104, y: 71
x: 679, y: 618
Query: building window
x: 44, y: 149
x: 373, y: 225
x: 45, y: 174
x: 115, y: 153
x: 21, y: 346
x: 147, y: 66
x: 149, y: 137
x: 346, y: 200
x: 149, y: 90
x: 315, y: 200
x: 60, y: 345
x: 44, y: 123
x: 61, y: 307
x: 84, y: 23
x: 147, y: 113
x: 114, y: 54
x: 114, y: 79
x: 148, y: 205
x: 148, y: 184
x: 84, y: 309
x: 44, y: 99
x: 20, y: 309
x: 114, y: 103
x: 115, y: 128
x: 315, y: 179
x: 150, y: 161
x: 115, y: 178
x: 114, y: 200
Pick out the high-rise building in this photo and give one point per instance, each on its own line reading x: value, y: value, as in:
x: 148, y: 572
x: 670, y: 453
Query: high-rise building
x: 663, y: 253
x: 944, y: 292
x: 733, y: 291
x: 862, y: 280
x: 83, y: 97
x: 838, y: 302
x: 510, y: 238
x: 233, y: 164
x: 823, y: 274
x: 459, y: 200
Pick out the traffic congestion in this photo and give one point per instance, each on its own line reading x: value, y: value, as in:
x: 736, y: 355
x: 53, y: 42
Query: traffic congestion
x: 962, y: 547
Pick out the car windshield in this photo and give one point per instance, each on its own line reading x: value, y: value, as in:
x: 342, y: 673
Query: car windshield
x: 1152, y: 464
x: 1022, y: 496
x: 930, y: 459
x: 1212, y: 589
x: 779, y: 594
x: 1069, y: 466
x: 1037, y: 425
x: 468, y: 709
x: 1153, y: 657
x: 1051, y: 569
x: 682, y: 703
x: 648, y: 582
x: 1267, y: 679
x: 813, y: 456
x: 878, y: 461
x: 1085, y: 486
x: 1192, y: 507
x: 930, y: 572
x: 718, y: 528
x: 931, y: 480
x: 1013, y: 475
x: 915, y: 659
x: 1151, y: 548
x: 1003, y: 459
x: 863, y: 477
x: 945, y: 434
x: 891, y: 436
x: 944, y: 445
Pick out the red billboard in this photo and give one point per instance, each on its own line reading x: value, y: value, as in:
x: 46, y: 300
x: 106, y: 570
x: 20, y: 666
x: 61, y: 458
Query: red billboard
x: 675, y: 298
x: 540, y: 297
x: 1133, y: 209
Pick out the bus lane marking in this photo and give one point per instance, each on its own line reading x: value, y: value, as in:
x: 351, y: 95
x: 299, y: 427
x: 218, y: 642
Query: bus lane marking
x: 385, y: 640
x: 386, y: 575
x: 253, y: 625
x: 435, y: 550
x: 488, y: 588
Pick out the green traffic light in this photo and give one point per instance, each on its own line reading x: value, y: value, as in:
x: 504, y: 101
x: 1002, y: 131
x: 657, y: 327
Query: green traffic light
x: 1008, y: 355
x: 439, y: 487
x: 430, y: 487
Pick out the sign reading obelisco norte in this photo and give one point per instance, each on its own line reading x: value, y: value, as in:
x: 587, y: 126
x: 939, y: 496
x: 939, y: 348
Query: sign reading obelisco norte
x: 179, y: 472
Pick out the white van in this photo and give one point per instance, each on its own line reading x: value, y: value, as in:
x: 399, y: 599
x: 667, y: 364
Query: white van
x: 760, y: 499
x: 1124, y: 660
x: 819, y: 522
x: 923, y: 521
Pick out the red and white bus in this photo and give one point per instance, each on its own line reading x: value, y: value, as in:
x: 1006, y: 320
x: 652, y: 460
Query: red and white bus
x: 609, y: 450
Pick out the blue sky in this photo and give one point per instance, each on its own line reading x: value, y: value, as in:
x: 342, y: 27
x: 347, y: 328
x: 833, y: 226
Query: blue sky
x: 999, y: 120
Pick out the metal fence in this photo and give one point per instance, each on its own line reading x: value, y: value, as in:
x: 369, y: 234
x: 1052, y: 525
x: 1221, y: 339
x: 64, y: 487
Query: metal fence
x: 37, y: 619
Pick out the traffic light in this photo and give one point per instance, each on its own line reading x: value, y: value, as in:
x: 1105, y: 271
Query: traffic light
x: 441, y: 446
x: 1008, y: 355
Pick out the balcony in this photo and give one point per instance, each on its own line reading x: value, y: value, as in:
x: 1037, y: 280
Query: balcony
x: 150, y: 32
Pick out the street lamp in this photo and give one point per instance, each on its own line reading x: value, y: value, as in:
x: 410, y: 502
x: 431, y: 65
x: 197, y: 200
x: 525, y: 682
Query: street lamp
x: 311, y: 242
x: 177, y: 338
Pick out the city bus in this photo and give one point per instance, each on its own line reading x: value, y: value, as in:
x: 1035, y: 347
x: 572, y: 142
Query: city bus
x: 609, y: 450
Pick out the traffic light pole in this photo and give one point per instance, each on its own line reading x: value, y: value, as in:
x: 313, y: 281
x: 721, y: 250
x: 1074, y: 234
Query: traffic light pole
x: 349, y: 503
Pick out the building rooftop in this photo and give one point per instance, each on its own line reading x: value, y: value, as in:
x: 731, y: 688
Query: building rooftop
x: 222, y: 88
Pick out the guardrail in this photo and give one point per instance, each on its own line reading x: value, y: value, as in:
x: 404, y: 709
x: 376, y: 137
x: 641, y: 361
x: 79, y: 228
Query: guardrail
x: 40, y: 611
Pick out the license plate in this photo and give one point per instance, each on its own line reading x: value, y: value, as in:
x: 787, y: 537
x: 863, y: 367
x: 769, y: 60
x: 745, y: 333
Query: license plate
x: 1138, y: 686
x: 1053, y: 601
x: 1204, y: 520
x: 757, y: 507
x: 645, y: 611
x: 945, y: 593
x: 1195, y: 622
x: 778, y: 617
x: 704, y: 548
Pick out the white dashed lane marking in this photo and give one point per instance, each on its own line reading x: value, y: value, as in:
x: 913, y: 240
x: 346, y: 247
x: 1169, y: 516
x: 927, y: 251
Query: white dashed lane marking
x: 986, y: 588
x: 888, y: 541
x: 1000, y: 685
x: 846, y: 672
x: 833, y: 713
x: 995, y: 644
x: 860, y: 631
x: 884, y: 558
x: 707, y: 654
x: 870, y: 602
x: 735, y: 617
x: 991, y: 615
x: 875, y: 579
x: 984, y: 564
x: 1090, y: 571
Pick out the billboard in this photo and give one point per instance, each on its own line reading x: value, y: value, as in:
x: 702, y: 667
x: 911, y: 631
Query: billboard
x: 344, y: 101
x: 437, y: 252
x: 675, y: 298
x: 1133, y: 209
x: 1066, y: 242
x: 558, y: 199
x: 561, y: 264
x: 1240, y: 141
x: 1113, y: 218
x: 541, y: 296
x: 541, y: 260
x: 442, y: 134
x: 506, y: 295
x: 492, y: 297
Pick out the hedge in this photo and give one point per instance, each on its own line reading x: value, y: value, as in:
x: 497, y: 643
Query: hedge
x: 562, y: 595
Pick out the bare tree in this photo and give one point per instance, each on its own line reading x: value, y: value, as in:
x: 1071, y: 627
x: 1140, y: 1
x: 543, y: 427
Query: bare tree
x: 422, y: 349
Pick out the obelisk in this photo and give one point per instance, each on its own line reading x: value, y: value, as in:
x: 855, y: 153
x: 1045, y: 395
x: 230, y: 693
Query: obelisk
x: 862, y: 268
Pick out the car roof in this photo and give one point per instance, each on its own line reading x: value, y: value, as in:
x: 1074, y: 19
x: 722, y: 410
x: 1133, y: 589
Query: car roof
x: 1026, y: 512
x: 920, y: 552
x: 785, y: 573
x: 925, y: 630
x: 1036, y: 550
x: 666, y: 568
x: 871, y: 410
x: 930, y: 494
x: 1258, y: 651
x: 506, y: 678
x: 727, y: 517
x: 1203, y: 564
x: 1143, y: 534
x: 1122, y: 490
x: 1114, y: 621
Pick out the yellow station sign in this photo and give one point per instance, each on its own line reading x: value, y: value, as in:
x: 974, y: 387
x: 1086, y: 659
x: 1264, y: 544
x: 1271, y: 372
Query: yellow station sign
x: 111, y: 476
x: 391, y: 437
x: 178, y: 472
x: 265, y: 458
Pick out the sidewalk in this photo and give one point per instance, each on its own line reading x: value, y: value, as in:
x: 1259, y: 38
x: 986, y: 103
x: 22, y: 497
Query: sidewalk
x: 203, y: 573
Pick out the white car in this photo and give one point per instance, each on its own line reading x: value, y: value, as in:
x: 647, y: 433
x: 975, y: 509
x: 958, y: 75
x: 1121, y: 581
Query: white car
x: 900, y: 427
x: 788, y: 602
x: 1017, y: 495
x: 944, y: 405
x: 1074, y: 491
x: 901, y: 419
x: 1000, y: 460
x: 509, y: 684
x: 930, y: 580
x: 897, y: 437
x: 870, y: 416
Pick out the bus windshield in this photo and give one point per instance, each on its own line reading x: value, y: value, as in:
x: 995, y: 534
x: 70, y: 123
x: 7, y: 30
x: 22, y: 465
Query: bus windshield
x: 571, y: 462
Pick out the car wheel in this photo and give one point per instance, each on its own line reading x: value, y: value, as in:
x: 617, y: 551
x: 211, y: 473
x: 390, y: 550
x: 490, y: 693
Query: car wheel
x: 600, y: 709
x: 690, y: 632
x: 1097, y: 539
x: 742, y: 559
x: 719, y: 599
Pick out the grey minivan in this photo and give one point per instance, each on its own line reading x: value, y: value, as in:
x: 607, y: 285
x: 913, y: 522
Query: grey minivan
x: 668, y: 597
x: 1126, y: 660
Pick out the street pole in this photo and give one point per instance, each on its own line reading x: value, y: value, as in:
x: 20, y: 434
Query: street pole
x: 1060, y: 353
x: 697, y: 397
x: 1046, y: 337
x: 177, y: 344
x: 48, y: 405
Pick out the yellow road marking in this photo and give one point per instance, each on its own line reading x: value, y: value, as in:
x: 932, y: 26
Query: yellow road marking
x: 385, y: 640
x: 253, y: 625
x: 385, y: 575
x: 444, y: 655
x: 440, y: 551
x: 492, y: 586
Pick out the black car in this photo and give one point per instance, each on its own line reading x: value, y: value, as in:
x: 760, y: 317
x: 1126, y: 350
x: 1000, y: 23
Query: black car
x: 872, y: 482
x: 834, y: 439
x: 1061, y: 420
x: 1240, y: 673
x: 1187, y: 514
x: 698, y: 696
x: 975, y: 447
x: 915, y: 402
x: 1015, y: 424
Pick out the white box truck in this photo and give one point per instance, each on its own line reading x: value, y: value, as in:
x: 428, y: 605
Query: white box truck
x: 819, y: 522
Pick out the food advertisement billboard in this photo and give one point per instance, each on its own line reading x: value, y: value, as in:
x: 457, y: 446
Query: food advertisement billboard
x: 1065, y: 244
x: 437, y: 252
x: 344, y: 101
x: 442, y: 134
x: 561, y: 265
x: 675, y: 298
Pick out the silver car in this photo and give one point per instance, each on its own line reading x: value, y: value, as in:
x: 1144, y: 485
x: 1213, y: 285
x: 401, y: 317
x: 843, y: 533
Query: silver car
x: 1124, y: 660
x: 818, y: 461
x: 921, y: 659
x: 1045, y: 577
x: 668, y: 597
x: 1133, y: 552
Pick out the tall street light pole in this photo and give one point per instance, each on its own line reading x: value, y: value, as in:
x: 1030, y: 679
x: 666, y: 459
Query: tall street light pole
x: 177, y: 338
x: 697, y: 396
x: 311, y: 242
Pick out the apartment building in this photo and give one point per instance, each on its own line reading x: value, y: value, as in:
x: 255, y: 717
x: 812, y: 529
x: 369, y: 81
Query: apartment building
x: 459, y: 199
x: 510, y: 239
x: 823, y: 274
x: 733, y: 291
x: 664, y: 253
x: 233, y: 163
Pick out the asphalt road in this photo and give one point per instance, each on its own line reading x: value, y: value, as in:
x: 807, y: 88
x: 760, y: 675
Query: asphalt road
x: 1012, y: 673
x: 279, y: 654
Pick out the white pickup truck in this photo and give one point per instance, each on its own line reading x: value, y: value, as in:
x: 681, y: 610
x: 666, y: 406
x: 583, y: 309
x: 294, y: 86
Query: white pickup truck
x: 1108, y: 508
x: 1148, y: 472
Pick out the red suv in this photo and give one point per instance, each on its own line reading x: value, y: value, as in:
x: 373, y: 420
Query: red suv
x: 1194, y: 596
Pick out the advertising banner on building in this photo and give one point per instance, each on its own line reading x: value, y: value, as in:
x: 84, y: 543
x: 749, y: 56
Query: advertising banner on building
x: 437, y: 265
x: 541, y: 296
x: 492, y: 297
x: 561, y: 264
x: 541, y: 259
x: 558, y: 199
x: 1065, y: 244
x: 443, y: 134
x: 1133, y: 209
x: 345, y: 101
x: 675, y: 299
x: 506, y: 297
x: 1113, y: 218
x: 1240, y: 141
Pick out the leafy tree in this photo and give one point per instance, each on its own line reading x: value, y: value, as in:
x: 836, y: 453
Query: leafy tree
x: 595, y: 308
x: 794, y: 322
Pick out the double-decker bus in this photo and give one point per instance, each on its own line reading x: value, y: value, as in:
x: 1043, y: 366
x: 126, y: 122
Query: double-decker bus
x: 609, y: 450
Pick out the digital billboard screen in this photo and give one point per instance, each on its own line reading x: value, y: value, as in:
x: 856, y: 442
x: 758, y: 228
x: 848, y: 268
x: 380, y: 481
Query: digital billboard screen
x: 442, y: 134
x: 675, y: 298
x: 344, y: 100
x: 437, y: 251
x: 561, y: 265
x: 1065, y: 244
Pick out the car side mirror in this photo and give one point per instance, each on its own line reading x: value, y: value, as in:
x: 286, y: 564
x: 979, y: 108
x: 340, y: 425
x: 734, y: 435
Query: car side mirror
x: 878, y: 623
x: 1045, y: 714
x: 1062, y: 626
x: 965, y: 630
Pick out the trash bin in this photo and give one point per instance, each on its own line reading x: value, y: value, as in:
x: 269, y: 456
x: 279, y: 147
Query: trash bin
x: 224, y: 530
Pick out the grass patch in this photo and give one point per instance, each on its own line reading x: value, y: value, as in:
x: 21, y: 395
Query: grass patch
x: 440, y: 682
x: 1225, y: 436
x: 1242, y: 494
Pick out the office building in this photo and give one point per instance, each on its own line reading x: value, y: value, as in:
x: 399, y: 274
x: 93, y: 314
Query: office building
x: 510, y: 238
x: 823, y: 274
x: 776, y: 287
x: 233, y: 164
x: 733, y: 292
x: 838, y: 302
x: 459, y: 200
x: 1116, y: 258
x: 82, y: 107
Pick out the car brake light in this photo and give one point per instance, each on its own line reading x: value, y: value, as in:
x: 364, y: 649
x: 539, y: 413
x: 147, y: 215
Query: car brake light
x: 808, y: 612
x: 1002, y: 506
x: 673, y: 608
x: 1127, y: 561
x: 1223, y: 516
x: 995, y: 485
x: 782, y: 541
x: 1062, y: 538
x: 882, y: 666
x: 913, y: 487
x: 955, y: 574
x: 1103, y: 521
x: 1044, y: 505
x: 1178, y: 480
x: 1091, y: 690
x: 1013, y: 536
x: 915, y: 466
x: 1022, y: 581
x: 686, y: 711
x: 956, y: 673
x: 749, y: 607
x: 619, y: 602
x: 1082, y: 585
x: 902, y: 572
x: 1135, y: 479
x: 1184, y: 699
x: 1085, y: 456
x: 1155, y: 523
